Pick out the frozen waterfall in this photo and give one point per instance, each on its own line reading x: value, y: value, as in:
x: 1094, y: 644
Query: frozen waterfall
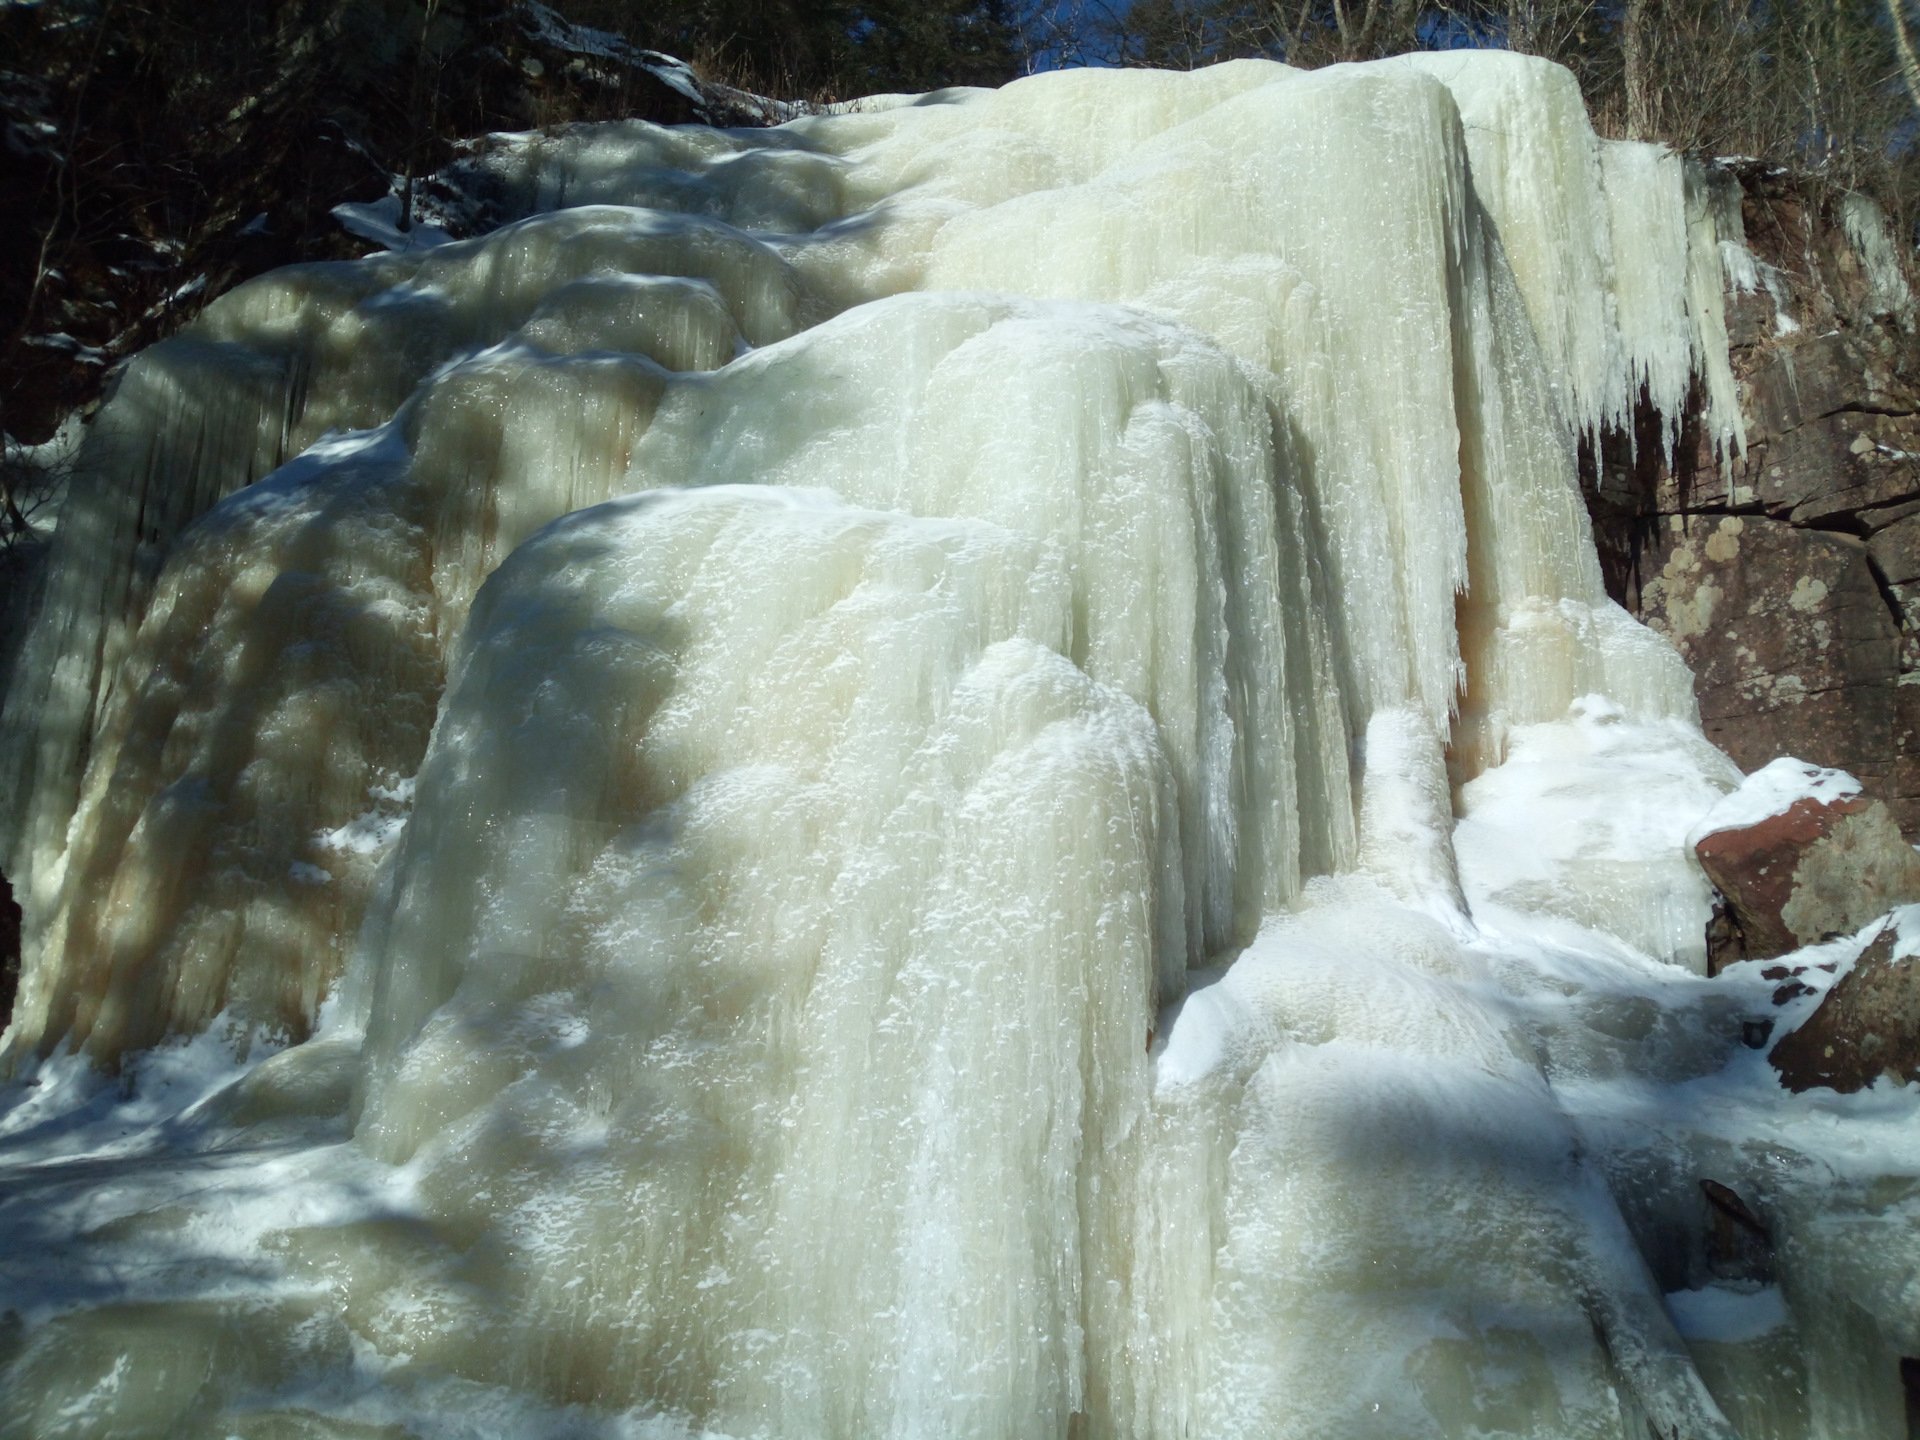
x: 959, y: 769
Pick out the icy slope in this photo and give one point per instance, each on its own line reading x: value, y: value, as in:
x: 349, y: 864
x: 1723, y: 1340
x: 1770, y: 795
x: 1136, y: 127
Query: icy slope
x: 757, y: 688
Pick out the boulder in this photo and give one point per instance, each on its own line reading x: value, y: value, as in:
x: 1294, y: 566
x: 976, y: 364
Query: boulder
x: 1789, y: 636
x: 1867, y: 1026
x: 1801, y: 855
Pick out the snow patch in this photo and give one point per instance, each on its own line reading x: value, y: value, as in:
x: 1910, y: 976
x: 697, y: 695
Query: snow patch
x: 379, y: 222
x: 1727, y: 1316
x: 1772, y: 790
x: 1587, y: 821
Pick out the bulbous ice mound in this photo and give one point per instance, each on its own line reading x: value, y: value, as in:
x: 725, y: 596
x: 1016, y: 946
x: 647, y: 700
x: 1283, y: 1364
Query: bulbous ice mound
x: 756, y: 689
x: 1392, y: 402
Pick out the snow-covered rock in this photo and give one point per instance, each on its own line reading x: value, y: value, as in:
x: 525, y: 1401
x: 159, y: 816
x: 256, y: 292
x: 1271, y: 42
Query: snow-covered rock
x: 1868, y: 1024
x: 1801, y: 855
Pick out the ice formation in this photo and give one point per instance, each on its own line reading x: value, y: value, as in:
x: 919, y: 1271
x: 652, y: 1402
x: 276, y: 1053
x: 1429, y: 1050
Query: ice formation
x: 953, y: 770
x: 1866, y: 226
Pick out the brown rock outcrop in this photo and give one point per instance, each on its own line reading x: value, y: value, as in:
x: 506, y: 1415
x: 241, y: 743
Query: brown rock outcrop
x: 1867, y: 1026
x: 1789, y: 578
x: 1820, y: 868
x: 1791, y: 644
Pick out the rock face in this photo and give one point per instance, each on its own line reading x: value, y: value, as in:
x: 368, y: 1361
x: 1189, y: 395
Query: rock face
x: 9, y: 950
x: 1868, y: 1026
x: 1792, y: 646
x: 1790, y: 579
x: 1819, y: 868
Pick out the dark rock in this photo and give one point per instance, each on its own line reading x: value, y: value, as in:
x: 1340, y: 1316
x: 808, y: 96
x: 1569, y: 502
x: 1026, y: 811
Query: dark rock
x: 1819, y: 866
x: 1894, y: 554
x: 1789, y: 574
x: 1903, y: 783
x: 1839, y: 466
x: 9, y: 950
x: 1825, y: 374
x: 1739, y: 1246
x: 1867, y: 1026
x: 1726, y: 942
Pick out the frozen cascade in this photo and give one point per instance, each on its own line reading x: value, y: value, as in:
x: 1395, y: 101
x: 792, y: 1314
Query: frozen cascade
x: 955, y: 770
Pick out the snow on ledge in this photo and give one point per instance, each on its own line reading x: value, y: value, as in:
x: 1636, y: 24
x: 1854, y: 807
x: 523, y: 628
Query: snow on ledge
x: 379, y: 221
x: 1773, y: 790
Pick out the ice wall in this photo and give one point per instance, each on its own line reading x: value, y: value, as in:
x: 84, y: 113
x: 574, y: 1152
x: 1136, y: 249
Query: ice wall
x: 1615, y: 246
x: 752, y: 685
x: 1421, y: 427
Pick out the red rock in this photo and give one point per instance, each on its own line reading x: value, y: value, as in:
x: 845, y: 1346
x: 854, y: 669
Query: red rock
x: 1820, y: 868
x: 1867, y: 1026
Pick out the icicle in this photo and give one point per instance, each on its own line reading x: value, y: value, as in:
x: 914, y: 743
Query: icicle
x: 1647, y: 194
x: 1707, y: 309
x: 1866, y: 226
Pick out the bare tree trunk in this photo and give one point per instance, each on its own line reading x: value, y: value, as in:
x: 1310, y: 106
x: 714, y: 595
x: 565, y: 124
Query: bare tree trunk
x: 1520, y: 26
x: 1903, y: 42
x: 66, y: 174
x: 1638, y: 69
x: 1341, y: 24
x: 415, y: 125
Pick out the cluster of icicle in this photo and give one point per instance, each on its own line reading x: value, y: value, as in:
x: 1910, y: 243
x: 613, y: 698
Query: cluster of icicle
x: 857, y: 612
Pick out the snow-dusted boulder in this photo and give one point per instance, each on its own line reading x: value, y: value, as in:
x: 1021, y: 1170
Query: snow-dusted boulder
x: 1869, y: 1023
x: 1801, y: 854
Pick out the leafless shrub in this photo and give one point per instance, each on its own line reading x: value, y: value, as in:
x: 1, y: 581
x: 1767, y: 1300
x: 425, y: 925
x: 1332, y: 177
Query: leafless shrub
x: 33, y: 480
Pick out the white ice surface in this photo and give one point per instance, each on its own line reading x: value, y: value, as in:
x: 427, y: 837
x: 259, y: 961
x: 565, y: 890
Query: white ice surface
x: 379, y: 221
x: 1583, y: 832
x: 1730, y: 1316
